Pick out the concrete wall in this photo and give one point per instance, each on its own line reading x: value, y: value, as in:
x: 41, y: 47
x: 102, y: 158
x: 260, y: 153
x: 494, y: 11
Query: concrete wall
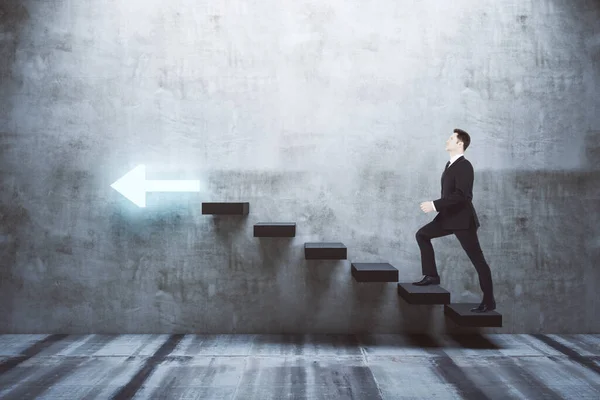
x: 331, y: 114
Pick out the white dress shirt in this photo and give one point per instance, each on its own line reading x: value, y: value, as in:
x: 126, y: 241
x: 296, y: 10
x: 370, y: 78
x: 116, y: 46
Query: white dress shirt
x: 454, y: 158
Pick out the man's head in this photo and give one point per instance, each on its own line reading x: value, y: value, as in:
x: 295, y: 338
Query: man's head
x: 458, y: 142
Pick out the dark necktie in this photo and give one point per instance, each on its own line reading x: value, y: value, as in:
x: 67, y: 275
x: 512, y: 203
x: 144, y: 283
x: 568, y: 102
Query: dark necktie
x: 447, y: 164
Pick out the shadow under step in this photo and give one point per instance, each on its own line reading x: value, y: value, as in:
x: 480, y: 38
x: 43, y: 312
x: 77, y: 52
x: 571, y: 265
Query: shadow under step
x: 374, y: 272
x: 429, y: 294
x: 461, y: 314
x: 325, y: 251
x: 275, y: 229
x: 226, y: 208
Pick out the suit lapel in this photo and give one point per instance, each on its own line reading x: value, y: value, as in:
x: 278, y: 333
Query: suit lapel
x: 459, y: 159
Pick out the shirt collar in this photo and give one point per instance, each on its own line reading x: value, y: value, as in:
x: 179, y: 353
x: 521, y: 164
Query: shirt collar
x: 456, y: 157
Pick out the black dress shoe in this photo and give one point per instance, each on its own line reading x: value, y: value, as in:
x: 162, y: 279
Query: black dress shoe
x: 484, y: 308
x: 428, y: 280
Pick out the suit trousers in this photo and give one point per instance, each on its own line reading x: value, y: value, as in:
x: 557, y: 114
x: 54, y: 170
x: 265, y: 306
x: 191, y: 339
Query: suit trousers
x: 469, y: 242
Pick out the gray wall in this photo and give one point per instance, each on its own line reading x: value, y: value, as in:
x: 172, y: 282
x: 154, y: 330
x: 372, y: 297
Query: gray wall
x: 330, y: 114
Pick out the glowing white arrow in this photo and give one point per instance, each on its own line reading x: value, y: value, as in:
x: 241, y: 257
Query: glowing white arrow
x: 134, y: 186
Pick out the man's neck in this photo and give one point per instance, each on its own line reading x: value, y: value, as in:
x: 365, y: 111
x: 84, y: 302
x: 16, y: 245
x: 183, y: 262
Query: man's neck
x: 456, y: 154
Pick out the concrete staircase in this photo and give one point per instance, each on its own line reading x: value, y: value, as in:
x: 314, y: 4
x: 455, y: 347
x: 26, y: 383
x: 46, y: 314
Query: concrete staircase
x: 459, y: 313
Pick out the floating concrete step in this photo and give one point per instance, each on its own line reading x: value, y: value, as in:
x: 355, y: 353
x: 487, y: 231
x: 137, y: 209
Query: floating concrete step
x: 430, y: 294
x: 325, y: 251
x: 225, y: 208
x: 374, y: 272
x: 462, y: 315
x: 275, y: 229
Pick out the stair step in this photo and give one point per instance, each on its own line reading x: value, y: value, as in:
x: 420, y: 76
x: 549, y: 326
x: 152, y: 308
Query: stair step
x: 430, y: 294
x: 226, y: 208
x: 275, y: 229
x: 325, y: 251
x: 374, y: 272
x: 462, y: 315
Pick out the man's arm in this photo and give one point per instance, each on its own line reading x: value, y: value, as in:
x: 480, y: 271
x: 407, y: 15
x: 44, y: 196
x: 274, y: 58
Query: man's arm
x: 464, y: 184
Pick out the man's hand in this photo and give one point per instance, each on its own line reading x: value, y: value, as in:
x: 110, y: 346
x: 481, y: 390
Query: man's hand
x: 426, y: 206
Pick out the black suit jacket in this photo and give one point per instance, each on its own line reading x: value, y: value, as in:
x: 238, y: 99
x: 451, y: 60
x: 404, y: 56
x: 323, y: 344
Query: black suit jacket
x: 455, y: 209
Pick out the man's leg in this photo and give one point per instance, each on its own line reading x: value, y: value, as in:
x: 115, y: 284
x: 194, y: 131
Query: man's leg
x: 470, y: 243
x: 424, y: 235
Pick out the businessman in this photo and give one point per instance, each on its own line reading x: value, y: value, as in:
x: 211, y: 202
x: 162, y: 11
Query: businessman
x: 456, y: 215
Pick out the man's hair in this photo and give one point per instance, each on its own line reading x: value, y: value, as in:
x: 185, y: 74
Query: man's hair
x: 464, y: 137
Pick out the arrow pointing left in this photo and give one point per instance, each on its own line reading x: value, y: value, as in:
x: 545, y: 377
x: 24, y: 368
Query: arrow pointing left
x: 133, y: 185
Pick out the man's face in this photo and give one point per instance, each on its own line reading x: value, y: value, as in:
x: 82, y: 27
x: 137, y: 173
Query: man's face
x: 452, y: 143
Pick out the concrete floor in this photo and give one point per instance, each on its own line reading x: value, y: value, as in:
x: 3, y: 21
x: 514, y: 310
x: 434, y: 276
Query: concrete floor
x: 494, y: 366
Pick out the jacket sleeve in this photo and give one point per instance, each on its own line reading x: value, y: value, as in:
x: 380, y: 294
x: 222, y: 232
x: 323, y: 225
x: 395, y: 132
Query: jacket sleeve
x: 463, y: 190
